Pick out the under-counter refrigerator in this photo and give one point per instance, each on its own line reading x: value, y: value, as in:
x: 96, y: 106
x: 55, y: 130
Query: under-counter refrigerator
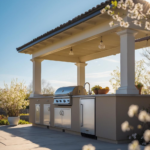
x: 87, y: 115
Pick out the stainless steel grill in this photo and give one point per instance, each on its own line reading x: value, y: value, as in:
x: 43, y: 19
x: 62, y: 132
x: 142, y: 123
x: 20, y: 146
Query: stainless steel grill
x: 63, y: 95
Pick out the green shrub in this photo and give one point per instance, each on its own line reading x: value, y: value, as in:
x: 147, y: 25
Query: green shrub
x: 4, y: 122
x: 24, y: 114
x: 23, y: 122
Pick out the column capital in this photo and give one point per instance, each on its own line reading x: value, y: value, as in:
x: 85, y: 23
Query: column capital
x: 81, y: 64
x: 127, y: 31
x: 36, y: 60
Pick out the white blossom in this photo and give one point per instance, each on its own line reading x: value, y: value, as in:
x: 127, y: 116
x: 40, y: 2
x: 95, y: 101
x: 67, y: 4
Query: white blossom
x: 115, y: 17
x: 138, y: 23
x: 119, y: 19
x: 124, y: 6
x: 120, y: 2
x: 147, y: 135
x: 129, y: 3
x: 110, y: 12
x: 118, y: 5
x: 126, y: 24
x: 129, y: 15
x: 111, y: 23
x: 125, y: 126
x: 103, y: 11
x: 134, y: 145
x: 122, y: 23
x: 144, y: 116
x: 139, y: 17
x: 107, y: 7
x: 134, y: 14
x: 147, y: 147
x: 148, y: 12
x: 133, y: 109
x: 139, y: 7
x: 147, y: 25
x: 88, y: 147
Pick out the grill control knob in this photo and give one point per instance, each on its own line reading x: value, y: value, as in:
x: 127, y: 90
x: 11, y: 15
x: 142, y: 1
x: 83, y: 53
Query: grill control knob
x: 57, y: 101
x: 60, y: 100
x: 64, y: 101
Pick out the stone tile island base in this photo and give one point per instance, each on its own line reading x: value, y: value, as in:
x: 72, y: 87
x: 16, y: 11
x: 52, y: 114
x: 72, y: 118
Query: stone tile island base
x: 111, y: 112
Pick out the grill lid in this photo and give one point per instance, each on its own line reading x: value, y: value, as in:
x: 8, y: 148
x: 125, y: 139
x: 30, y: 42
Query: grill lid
x: 70, y: 90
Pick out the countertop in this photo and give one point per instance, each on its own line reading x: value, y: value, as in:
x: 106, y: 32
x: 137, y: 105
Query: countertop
x: 98, y: 95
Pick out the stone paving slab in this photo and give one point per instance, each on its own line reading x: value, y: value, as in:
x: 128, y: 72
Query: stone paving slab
x: 28, y: 137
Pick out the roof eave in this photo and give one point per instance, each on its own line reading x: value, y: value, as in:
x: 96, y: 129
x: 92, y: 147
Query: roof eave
x: 95, y: 13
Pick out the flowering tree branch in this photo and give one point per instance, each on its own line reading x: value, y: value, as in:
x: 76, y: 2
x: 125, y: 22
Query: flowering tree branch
x: 134, y: 11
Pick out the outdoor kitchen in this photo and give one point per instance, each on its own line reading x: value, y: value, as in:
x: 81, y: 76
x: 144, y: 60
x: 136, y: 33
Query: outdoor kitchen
x: 72, y: 109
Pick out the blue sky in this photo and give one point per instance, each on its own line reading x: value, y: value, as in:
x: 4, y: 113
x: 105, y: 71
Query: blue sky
x: 24, y: 20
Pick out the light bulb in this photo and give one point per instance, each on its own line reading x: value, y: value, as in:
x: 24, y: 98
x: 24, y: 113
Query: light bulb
x: 71, y: 52
x: 101, y: 45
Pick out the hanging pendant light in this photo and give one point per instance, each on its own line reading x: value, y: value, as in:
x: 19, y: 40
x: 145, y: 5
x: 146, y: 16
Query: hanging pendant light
x: 71, y: 52
x: 101, y: 45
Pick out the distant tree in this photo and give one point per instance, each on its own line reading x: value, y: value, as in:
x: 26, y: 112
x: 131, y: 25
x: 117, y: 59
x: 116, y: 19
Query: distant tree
x: 146, y: 54
x: 46, y: 87
x: 141, y: 75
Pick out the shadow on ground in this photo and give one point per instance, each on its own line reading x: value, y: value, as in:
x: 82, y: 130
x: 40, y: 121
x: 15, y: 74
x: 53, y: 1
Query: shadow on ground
x: 27, y: 137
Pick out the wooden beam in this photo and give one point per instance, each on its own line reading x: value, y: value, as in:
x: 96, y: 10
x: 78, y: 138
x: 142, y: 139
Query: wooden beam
x: 62, y: 58
x: 100, y: 54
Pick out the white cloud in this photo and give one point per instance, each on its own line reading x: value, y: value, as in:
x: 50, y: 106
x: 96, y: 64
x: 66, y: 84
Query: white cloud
x: 98, y: 74
x: 112, y: 60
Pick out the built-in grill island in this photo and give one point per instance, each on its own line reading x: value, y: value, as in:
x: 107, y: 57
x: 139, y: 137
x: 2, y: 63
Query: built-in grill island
x: 63, y: 95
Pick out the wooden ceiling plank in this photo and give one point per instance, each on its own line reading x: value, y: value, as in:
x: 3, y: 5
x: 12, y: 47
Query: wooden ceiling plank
x: 100, y: 54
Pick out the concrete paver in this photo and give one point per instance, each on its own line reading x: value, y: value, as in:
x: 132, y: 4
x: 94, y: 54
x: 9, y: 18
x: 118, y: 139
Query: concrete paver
x: 27, y: 137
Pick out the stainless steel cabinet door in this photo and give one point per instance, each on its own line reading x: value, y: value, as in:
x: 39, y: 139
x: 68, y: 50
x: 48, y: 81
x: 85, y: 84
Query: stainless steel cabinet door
x: 87, y: 116
x: 66, y: 117
x: 46, y: 113
x: 57, y: 117
x: 37, y: 113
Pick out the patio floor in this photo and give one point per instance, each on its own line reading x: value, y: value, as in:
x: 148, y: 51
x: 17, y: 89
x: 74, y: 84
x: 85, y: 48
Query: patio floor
x: 27, y: 137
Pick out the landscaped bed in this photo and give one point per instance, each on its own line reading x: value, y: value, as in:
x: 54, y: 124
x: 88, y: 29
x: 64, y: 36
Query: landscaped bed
x: 4, y: 121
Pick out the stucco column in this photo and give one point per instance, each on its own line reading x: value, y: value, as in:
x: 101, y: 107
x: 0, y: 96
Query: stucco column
x: 127, y: 58
x: 36, y: 77
x: 80, y: 73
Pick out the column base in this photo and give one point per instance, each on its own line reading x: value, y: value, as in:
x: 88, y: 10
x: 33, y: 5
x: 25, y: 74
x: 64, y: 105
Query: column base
x: 127, y: 90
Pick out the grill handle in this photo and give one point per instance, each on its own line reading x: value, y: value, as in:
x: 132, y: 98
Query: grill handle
x: 82, y: 115
x: 60, y: 112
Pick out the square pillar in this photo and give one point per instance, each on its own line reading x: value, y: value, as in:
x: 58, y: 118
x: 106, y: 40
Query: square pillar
x: 127, y: 58
x: 81, y: 73
x: 36, y: 77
